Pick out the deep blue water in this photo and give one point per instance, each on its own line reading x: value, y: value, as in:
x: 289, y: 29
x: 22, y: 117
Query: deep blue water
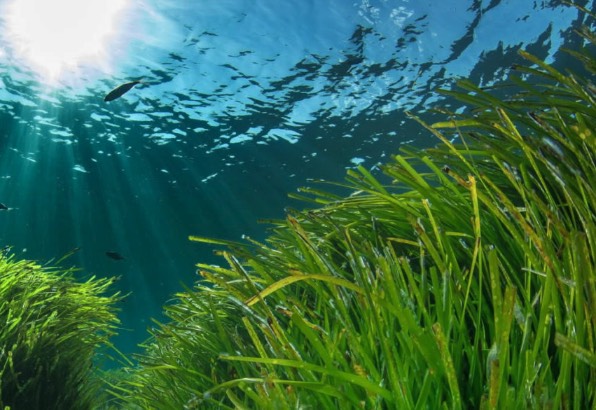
x: 241, y: 102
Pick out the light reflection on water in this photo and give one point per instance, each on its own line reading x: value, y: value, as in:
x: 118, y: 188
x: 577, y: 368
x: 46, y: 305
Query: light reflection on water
x: 242, y: 102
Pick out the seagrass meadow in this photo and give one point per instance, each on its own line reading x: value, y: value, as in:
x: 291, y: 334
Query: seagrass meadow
x: 462, y: 276
x: 466, y: 282
x: 52, y: 329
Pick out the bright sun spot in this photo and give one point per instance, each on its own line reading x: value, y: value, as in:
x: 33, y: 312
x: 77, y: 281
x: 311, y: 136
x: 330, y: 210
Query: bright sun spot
x: 56, y: 34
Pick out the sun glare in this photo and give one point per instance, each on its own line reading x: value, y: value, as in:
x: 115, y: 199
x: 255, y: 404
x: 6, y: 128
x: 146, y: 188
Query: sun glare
x: 55, y: 34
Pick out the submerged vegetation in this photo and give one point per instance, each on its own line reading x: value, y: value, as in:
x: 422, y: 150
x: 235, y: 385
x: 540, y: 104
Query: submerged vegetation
x: 466, y: 281
x: 51, y: 329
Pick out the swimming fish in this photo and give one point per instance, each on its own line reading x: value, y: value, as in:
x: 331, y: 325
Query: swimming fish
x: 3, y: 207
x: 115, y: 255
x: 120, y: 90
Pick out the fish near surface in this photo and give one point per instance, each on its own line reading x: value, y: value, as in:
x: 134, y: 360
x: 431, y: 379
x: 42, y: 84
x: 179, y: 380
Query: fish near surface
x: 120, y: 90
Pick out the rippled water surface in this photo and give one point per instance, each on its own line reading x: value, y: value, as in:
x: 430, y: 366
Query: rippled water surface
x: 240, y: 103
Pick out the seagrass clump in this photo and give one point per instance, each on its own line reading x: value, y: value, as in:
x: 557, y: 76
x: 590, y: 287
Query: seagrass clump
x: 465, y: 281
x: 52, y: 329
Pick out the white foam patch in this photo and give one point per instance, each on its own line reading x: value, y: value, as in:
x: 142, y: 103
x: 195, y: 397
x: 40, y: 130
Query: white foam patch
x: 240, y: 138
x: 61, y: 133
x: 80, y: 168
x: 276, y: 133
x: 138, y: 117
x: 98, y: 117
x: 162, y: 138
x: 207, y: 178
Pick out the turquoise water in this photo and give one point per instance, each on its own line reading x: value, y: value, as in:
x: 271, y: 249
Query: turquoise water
x: 241, y: 102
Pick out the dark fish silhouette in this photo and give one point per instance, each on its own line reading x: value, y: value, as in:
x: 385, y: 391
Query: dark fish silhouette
x: 120, y: 90
x: 115, y: 255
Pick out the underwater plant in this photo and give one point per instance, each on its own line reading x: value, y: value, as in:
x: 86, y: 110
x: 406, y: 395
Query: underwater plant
x: 467, y: 281
x: 51, y: 331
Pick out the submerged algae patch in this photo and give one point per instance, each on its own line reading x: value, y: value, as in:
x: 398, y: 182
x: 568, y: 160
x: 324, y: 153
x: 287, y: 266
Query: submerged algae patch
x: 52, y: 330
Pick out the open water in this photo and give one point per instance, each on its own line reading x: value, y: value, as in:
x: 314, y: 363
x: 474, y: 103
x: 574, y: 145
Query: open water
x: 241, y: 102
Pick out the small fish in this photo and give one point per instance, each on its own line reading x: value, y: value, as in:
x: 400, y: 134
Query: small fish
x: 114, y: 255
x: 120, y: 90
x: 3, y: 207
